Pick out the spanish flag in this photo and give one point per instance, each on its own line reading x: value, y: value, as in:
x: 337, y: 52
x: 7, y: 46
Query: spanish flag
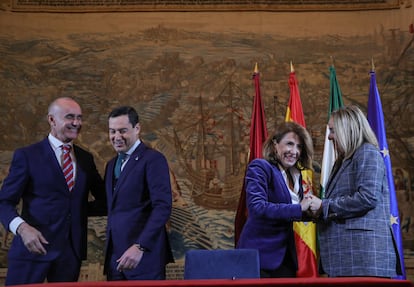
x: 305, y: 232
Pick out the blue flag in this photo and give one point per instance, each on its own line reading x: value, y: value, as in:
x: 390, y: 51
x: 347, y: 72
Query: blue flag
x: 376, y: 120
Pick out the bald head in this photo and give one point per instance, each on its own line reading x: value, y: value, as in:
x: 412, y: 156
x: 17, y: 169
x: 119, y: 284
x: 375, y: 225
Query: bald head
x: 65, y: 119
x: 59, y: 103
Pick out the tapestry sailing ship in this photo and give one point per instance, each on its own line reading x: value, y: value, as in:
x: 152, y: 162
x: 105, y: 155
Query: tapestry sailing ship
x: 212, y: 146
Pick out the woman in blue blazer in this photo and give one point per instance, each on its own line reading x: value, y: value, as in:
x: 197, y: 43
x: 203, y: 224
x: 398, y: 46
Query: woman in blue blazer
x: 354, y: 217
x: 274, y: 198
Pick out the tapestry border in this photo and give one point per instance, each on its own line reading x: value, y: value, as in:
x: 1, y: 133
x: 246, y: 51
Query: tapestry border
x: 85, y: 6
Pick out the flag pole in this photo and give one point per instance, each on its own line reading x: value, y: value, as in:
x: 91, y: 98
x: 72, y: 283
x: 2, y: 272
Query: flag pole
x: 258, y: 134
x: 375, y: 116
x: 304, y: 232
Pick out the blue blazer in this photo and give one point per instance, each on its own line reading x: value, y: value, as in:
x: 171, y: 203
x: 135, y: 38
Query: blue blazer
x: 269, y: 225
x: 355, y: 235
x: 139, y: 206
x: 36, y: 177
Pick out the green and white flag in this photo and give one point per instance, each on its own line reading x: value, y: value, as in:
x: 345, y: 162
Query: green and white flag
x: 329, y: 156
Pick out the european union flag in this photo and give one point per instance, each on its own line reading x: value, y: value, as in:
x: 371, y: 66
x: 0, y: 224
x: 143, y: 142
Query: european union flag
x: 376, y: 120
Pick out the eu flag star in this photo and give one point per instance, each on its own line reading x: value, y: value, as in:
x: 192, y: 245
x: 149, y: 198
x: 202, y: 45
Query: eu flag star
x: 385, y: 152
x: 394, y: 219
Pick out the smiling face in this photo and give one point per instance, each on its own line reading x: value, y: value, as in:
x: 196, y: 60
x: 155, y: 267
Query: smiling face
x: 122, y: 134
x: 288, y: 150
x: 65, y: 119
x: 332, y: 135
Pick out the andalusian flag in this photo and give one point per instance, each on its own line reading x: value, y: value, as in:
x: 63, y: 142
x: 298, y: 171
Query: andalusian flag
x: 329, y: 156
x: 258, y: 134
x: 305, y: 232
x: 376, y: 120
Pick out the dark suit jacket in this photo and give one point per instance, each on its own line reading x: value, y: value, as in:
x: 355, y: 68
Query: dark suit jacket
x: 139, y: 206
x: 269, y: 226
x: 36, y: 177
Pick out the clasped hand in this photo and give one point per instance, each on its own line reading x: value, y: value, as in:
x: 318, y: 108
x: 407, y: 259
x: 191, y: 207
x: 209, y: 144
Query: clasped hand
x: 311, y: 205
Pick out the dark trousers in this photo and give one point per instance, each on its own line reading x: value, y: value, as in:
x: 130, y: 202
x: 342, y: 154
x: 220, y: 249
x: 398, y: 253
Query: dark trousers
x: 65, y: 268
x: 114, y: 275
x: 134, y: 274
x: 286, y: 269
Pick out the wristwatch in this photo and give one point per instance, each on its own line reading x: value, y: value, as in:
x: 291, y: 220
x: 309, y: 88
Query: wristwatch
x: 140, y: 247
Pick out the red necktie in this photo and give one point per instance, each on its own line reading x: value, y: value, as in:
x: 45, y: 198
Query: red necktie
x: 67, y: 166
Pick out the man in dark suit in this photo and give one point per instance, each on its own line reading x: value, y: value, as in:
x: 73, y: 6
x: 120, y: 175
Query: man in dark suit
x: 51, y: 230
x: 139, y: 204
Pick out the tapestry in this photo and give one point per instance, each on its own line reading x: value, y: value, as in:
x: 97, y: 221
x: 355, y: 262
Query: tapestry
x: 191, y: 83
x: 195, y: 5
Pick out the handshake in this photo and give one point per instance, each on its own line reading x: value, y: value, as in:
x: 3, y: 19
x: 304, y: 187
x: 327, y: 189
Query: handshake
x: 311, y: 205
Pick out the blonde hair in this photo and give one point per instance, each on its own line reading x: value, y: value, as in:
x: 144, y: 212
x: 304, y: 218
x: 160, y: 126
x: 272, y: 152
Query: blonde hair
x: 351, y: 129
x: 305, y: 159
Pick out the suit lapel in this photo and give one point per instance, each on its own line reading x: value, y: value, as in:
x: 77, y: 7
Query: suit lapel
x: 80, y: 176
x: 50, y: 158
x: 282, y: 184
x: 333, y: 180
x: 134, y: 158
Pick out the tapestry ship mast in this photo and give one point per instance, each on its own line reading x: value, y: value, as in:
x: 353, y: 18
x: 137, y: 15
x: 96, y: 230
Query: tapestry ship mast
x: 215, y: 167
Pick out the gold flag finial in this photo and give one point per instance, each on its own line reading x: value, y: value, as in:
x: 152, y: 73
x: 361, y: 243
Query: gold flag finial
x: 291, y: 67
x: 333, y: 61
x: 256, y: 68
x: 372, y: 64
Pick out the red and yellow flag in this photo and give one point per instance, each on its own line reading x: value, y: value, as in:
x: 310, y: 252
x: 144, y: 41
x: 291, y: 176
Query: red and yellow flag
x: 305, y: 232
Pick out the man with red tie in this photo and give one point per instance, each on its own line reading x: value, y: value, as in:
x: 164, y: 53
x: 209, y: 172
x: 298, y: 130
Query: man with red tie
x: 52, y: 178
